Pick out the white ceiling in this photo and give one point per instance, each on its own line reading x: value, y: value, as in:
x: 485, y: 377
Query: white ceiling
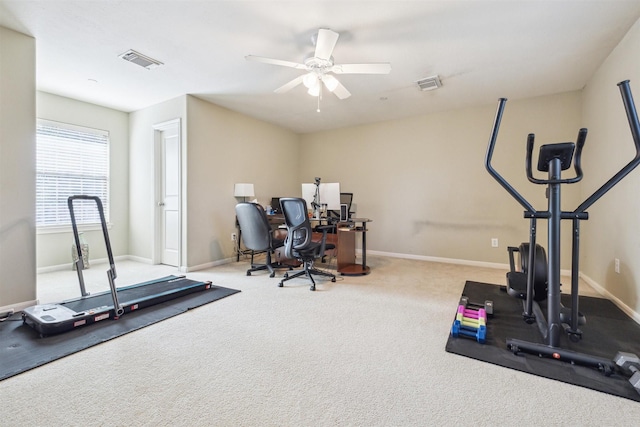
x: 482, y: 50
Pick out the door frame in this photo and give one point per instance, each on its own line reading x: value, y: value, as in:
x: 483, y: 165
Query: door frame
x: 157, y: 190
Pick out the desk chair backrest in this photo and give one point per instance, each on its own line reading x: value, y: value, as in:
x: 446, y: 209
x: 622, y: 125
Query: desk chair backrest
x: 346, y: 199
x: 299, y: 229
x: 334, y: 216
x: 254, y: 225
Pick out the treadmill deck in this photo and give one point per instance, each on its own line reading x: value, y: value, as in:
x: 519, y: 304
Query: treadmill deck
x: 49, y: 319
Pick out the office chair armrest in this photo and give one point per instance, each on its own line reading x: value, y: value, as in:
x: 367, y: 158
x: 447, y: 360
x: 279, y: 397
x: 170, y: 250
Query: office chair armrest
x: 292, y: 232
x: 325, y: 228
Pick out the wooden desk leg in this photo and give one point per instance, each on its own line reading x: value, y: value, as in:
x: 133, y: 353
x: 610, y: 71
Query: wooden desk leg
x: 347, y: 265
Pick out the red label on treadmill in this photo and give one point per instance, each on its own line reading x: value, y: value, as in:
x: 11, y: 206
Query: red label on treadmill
x: 101, y: 317
x: 79, y: 323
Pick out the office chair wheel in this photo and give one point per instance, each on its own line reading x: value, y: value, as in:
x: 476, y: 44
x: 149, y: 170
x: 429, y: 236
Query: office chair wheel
x: 272, y: 274
x: 248, y: 273
x: 286, y: 275
x: 333, y: 279
x: 281, y: 284
x: 312, y: 288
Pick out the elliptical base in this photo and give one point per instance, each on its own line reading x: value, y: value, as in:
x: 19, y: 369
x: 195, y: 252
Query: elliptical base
x: 605, y: 366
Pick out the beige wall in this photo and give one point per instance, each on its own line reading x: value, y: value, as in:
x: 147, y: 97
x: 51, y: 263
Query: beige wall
x: 142, y: 199
x: 614, y: 225
x: 423, y: 182
x: 224, y: 148
x: 17, y: 168
x: 219, y: 148
x: 54, y: 249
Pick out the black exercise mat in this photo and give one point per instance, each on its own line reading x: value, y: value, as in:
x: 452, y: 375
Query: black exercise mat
x: 21, y: 347
x: 607, y: 331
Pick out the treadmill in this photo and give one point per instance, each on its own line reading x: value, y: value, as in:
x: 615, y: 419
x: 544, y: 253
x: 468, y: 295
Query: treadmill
x: 50, y: 319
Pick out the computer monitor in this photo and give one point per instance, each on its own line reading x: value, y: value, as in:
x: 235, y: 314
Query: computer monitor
x: 329, y: 194
x: 275, y: 204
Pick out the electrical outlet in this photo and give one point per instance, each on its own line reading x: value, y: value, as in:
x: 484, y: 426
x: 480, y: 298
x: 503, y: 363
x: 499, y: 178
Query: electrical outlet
x: 494, y: 242
x: 234, y: 237
x: 616, y: 266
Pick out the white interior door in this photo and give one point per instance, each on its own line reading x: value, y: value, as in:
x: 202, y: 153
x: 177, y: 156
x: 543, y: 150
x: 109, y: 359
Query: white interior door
x: 168, y: 232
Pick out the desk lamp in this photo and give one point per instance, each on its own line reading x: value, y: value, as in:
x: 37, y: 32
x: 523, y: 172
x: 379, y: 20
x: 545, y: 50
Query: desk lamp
x: 244, y: 191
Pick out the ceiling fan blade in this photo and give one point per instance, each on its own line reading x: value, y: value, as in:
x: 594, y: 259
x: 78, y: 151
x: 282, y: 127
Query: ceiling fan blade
x: 276, y: 62
x: 325, y: 43
x: 374, y: 68
x: 341, y: 92
x: 288, y: 86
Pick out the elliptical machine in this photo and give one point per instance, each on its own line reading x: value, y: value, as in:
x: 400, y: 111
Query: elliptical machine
x: 553, y: 159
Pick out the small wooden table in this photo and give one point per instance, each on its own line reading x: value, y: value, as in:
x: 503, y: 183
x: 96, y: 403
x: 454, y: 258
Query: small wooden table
x: 346, y: 247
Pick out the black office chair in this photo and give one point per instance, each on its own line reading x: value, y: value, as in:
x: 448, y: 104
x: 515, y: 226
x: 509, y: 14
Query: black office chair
x: 299, y: 243
x: 257, y: 236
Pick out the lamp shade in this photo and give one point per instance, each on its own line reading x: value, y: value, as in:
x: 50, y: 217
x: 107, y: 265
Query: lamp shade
x: 243, y: 190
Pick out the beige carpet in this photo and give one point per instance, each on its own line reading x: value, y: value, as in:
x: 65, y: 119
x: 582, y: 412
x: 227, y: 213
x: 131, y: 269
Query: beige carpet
x: 364, y: 351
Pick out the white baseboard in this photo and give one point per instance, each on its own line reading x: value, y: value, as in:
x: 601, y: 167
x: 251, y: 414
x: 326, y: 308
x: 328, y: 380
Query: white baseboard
x: 596, y: 286
x: 441, y: 260
x: 617, y: 301
x: 207, y: 265
x: 470, y: 263
x: 98, y: 261
x: 135, y: 258
x: 18, y: 306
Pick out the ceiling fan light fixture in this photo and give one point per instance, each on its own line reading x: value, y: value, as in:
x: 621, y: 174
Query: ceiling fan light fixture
x: 314, y: 91
x: 330, y: 82
x: 310, y: 80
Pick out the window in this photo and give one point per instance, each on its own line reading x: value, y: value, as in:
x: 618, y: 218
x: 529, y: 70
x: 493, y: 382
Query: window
x: 70, y: 160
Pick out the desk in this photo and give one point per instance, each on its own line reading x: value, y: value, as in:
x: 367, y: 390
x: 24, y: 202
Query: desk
x: 275, y: 220
x: 346, y: 247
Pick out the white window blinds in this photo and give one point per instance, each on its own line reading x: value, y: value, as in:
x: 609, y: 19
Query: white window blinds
x: 70, y: 160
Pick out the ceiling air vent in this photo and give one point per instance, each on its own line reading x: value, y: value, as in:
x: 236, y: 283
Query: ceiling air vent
x: 140, y: 59
x: 429, y: 83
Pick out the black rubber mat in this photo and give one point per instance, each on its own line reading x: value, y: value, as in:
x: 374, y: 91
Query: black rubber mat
x: 607, y: 331
x: 21, y: 347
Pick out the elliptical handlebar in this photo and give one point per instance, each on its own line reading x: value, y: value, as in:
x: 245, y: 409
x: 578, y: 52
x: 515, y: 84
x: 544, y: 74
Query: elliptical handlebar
x: 577, y: 162
x: 634, y: 125
x: 487, y: 160
x: 632, y: 115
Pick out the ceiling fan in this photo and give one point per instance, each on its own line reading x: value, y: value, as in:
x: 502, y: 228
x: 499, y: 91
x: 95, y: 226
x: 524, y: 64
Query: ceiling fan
x: 320, y: 68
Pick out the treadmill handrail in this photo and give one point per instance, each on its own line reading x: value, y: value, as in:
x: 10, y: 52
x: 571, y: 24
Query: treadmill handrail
x: 103, y: 222
x: 111, y: 273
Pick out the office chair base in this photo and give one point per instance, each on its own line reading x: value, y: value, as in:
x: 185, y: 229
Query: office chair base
x: 272, y: 273
x: 309, y: 272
